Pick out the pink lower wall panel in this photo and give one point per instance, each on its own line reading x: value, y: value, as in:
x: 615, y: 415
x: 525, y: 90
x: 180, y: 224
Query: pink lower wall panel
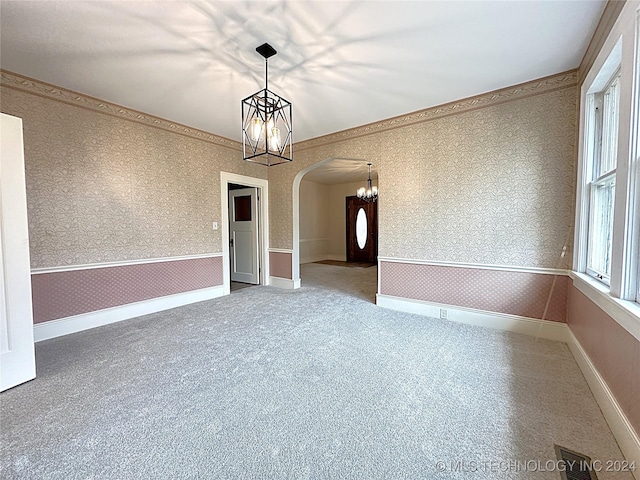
x: 63, y: 294
x: 280, y: 265
x: 515, y: 293
x: 613, y: 351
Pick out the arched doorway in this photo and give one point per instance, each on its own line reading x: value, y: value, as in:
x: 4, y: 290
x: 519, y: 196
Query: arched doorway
x: 322, y: 223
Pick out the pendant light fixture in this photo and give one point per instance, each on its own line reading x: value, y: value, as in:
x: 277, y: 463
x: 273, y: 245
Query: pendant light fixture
x: 368, y: 194
x: 266, y: 122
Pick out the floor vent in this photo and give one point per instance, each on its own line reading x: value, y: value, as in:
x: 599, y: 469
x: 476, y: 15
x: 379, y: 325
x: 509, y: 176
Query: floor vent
x: 576, y: 465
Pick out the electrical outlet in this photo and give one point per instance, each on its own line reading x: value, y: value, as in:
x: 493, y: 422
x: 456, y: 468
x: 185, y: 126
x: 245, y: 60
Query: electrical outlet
x: 215, y: 225
x: 443, y: 313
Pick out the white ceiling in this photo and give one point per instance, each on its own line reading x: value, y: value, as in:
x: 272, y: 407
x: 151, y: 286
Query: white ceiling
x: 341, y: 64
x: 342, y: 170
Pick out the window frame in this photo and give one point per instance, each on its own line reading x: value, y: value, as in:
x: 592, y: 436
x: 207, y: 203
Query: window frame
x: 597, y: 140
x: 621, y: 298
x: 632, y: 279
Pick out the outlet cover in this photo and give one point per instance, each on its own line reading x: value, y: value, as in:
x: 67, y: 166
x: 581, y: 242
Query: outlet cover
x: 443, y: 313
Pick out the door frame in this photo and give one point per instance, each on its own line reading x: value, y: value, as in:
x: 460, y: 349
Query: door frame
x: 263, y: 225
x: 372, y: 232
x: 254, y: 249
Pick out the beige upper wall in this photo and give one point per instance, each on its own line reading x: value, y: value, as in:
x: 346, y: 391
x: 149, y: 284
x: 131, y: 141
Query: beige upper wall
x: 484, y: 180
x: 323, y: 220
x: 314, y: 214
x: 492, y: 184
x: 314, y: 221
x: 102, y: 188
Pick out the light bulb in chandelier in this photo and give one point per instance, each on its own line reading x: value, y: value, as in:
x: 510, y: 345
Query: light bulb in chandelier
x: 256, y: 129
x: 274, y: 139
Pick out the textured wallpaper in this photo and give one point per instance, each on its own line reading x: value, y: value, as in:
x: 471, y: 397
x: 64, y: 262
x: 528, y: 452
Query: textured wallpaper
x: 532, y: 295
x: 102, y: 188
x: 65, y: 294
x: 483, y: 180
x: 492, y: 184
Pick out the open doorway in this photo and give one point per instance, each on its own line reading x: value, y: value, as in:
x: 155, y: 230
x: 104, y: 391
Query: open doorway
x: 326, y: 228
x: 245, y: 226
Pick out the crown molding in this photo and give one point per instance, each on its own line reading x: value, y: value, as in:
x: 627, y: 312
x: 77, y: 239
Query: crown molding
x: 607, y: 20
x: 536, y: 87
x: 568, y: 79
x: 69, y: 97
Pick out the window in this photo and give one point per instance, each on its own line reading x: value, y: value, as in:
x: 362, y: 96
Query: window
x: 607, y: 233
x: 607, y: 229
x: 603, y: 136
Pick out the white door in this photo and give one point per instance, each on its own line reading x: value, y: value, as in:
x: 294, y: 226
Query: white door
x: 17, y: 356
x: 243, y: 235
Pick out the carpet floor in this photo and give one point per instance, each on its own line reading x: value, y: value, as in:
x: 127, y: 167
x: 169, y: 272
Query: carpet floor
x: 310, y: 383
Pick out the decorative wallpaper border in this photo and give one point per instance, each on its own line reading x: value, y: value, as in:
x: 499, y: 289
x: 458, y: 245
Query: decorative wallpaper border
x: 63, y: 95
x: 551, y: 83
x: 52, y: 92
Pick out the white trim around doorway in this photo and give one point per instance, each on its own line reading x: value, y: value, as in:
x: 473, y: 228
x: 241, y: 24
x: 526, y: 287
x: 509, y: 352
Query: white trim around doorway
x: 263, y: 190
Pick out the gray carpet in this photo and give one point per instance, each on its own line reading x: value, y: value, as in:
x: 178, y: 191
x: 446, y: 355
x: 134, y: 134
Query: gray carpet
x: 312, y: 383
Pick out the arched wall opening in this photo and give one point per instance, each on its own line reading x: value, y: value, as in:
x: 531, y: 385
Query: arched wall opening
x: 342, y: 176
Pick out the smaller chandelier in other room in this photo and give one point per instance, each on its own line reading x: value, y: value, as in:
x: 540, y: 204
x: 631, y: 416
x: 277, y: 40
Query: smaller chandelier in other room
x: 368, y: 194
x: 266, y: 122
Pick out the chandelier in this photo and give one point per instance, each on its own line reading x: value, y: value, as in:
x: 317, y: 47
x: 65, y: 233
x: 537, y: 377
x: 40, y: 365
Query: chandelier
x: 369, y: 194
x: 266, y: 122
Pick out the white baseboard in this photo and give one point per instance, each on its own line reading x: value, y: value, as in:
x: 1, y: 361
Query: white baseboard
x: 499, y: 321
x: 85, y: 321
x: 337, y: 258
x: 284, y: 282
x: 623, y: 431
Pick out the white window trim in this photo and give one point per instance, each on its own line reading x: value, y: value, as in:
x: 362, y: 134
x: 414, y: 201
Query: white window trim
x: 606, y: 65
x: 632, y: 273
x: 590, y: 157
x: 619, y: 300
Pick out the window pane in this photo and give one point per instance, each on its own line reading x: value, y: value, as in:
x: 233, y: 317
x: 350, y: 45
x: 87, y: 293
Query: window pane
x: 361, y: 228
x: 610, y: 114
x: 242, y: 208
x: 601, y: 226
